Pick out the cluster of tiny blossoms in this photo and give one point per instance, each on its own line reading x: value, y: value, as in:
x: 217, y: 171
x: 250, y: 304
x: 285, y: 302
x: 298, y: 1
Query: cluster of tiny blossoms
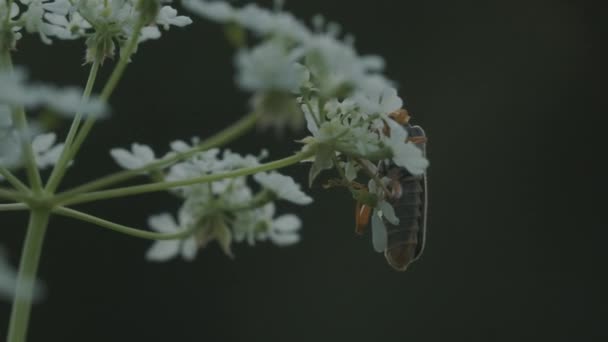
x: 226, y: 211
x: 16, y: 94
x: 103, y: 23
x: 301, y: 76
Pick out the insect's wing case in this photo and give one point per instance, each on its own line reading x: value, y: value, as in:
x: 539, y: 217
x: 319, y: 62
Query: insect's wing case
x: 406, y: 240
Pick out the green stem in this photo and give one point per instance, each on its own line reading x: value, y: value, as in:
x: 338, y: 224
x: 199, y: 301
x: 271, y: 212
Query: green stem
x: 161, y: 186
x: 13, y: 207
x: 107, y: 91
x: 20, y: 121
x: 11, y: 195
x: 61, y: 166
x: 11, y: 178
x: 119, y: 227
x: 221, y: 138
x: 9, y: 3
x: 28, y: 267
x: 33, y: 174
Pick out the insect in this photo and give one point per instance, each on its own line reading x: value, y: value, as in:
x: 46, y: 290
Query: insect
x: 405, y: 240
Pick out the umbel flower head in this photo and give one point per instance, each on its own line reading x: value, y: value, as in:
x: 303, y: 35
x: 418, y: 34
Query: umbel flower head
x: 227, y: 211
x: 291, y: 64
x: 347, y: 102
x: 103, y: 23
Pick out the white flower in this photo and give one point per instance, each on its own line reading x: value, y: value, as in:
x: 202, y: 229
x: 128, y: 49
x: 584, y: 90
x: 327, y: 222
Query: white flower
x: 261, y: 225
x: 10, y: 149
x: 270, y: 67
x: 139, y: 156
x: 337, y: 67
x: 284, y: 230
x: 72, y: 26
x: 8, y: 280
x: 378, y: 100
x: 164, y: 250
x: 68, y: 101
x: 167, y: 16
x: 379, y: 234
x: 46, y: 152
x: 217, y: 10
x: 283, y: 187
x: 405, y: 154
x: 33, y: 16
x: 260, y: 21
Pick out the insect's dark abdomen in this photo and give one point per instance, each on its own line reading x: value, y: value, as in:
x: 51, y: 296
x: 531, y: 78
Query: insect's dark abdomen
x: 406, y: 239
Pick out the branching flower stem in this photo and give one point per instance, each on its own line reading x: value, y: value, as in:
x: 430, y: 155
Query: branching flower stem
x: 119, y: 227
x: 28, y: 267
x: 13, y: 207
x: 221, y: 138
x: 39, y: 215
x: 11, y: 178
x: 162, y: 186
x: 107, y: 91
x: 63, y: 161
x: 21, y: 123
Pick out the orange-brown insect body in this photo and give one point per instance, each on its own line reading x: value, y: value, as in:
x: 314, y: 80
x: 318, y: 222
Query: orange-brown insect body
x: 405, y: 241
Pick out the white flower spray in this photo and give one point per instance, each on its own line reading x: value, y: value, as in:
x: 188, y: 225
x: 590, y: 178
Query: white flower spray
x: 297, y: 77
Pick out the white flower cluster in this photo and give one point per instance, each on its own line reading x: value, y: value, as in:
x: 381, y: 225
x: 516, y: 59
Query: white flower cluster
x: 227, y: 210
x: 102, y: 22
x: 15, y: 92
x: 349, y: 106
x: 295, y: 72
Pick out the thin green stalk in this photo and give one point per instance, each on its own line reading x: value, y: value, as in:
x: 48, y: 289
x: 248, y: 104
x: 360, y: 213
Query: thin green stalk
x: 28, y: 267
x: 110, y: 86
x: 11, y: 195
x: 119, y: 227
x: 221, y: 138
x: 161, y: 186
x: 11, y: 178
x: 107, y: 91
x: 9, y: 3
x: 21, y: 124
x: 13, y: 207
x: 31, y: 168
x: 62, y: 164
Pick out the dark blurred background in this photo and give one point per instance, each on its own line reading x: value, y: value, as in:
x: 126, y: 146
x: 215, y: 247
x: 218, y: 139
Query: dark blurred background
x: 508, y: 92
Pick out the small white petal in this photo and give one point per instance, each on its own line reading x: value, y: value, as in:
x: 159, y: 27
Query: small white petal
x: 409, y: 156
x: 189, y: 249
x: 163, y: 250
x: 350, y: 171
x: 388, y: 212
x: 43, y: 142
x: 124, y: 158
x: 379, y: 235
x: 163, y: 223
x: 287, y: 223
x: 139, y: 156
x: 283, y: 186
